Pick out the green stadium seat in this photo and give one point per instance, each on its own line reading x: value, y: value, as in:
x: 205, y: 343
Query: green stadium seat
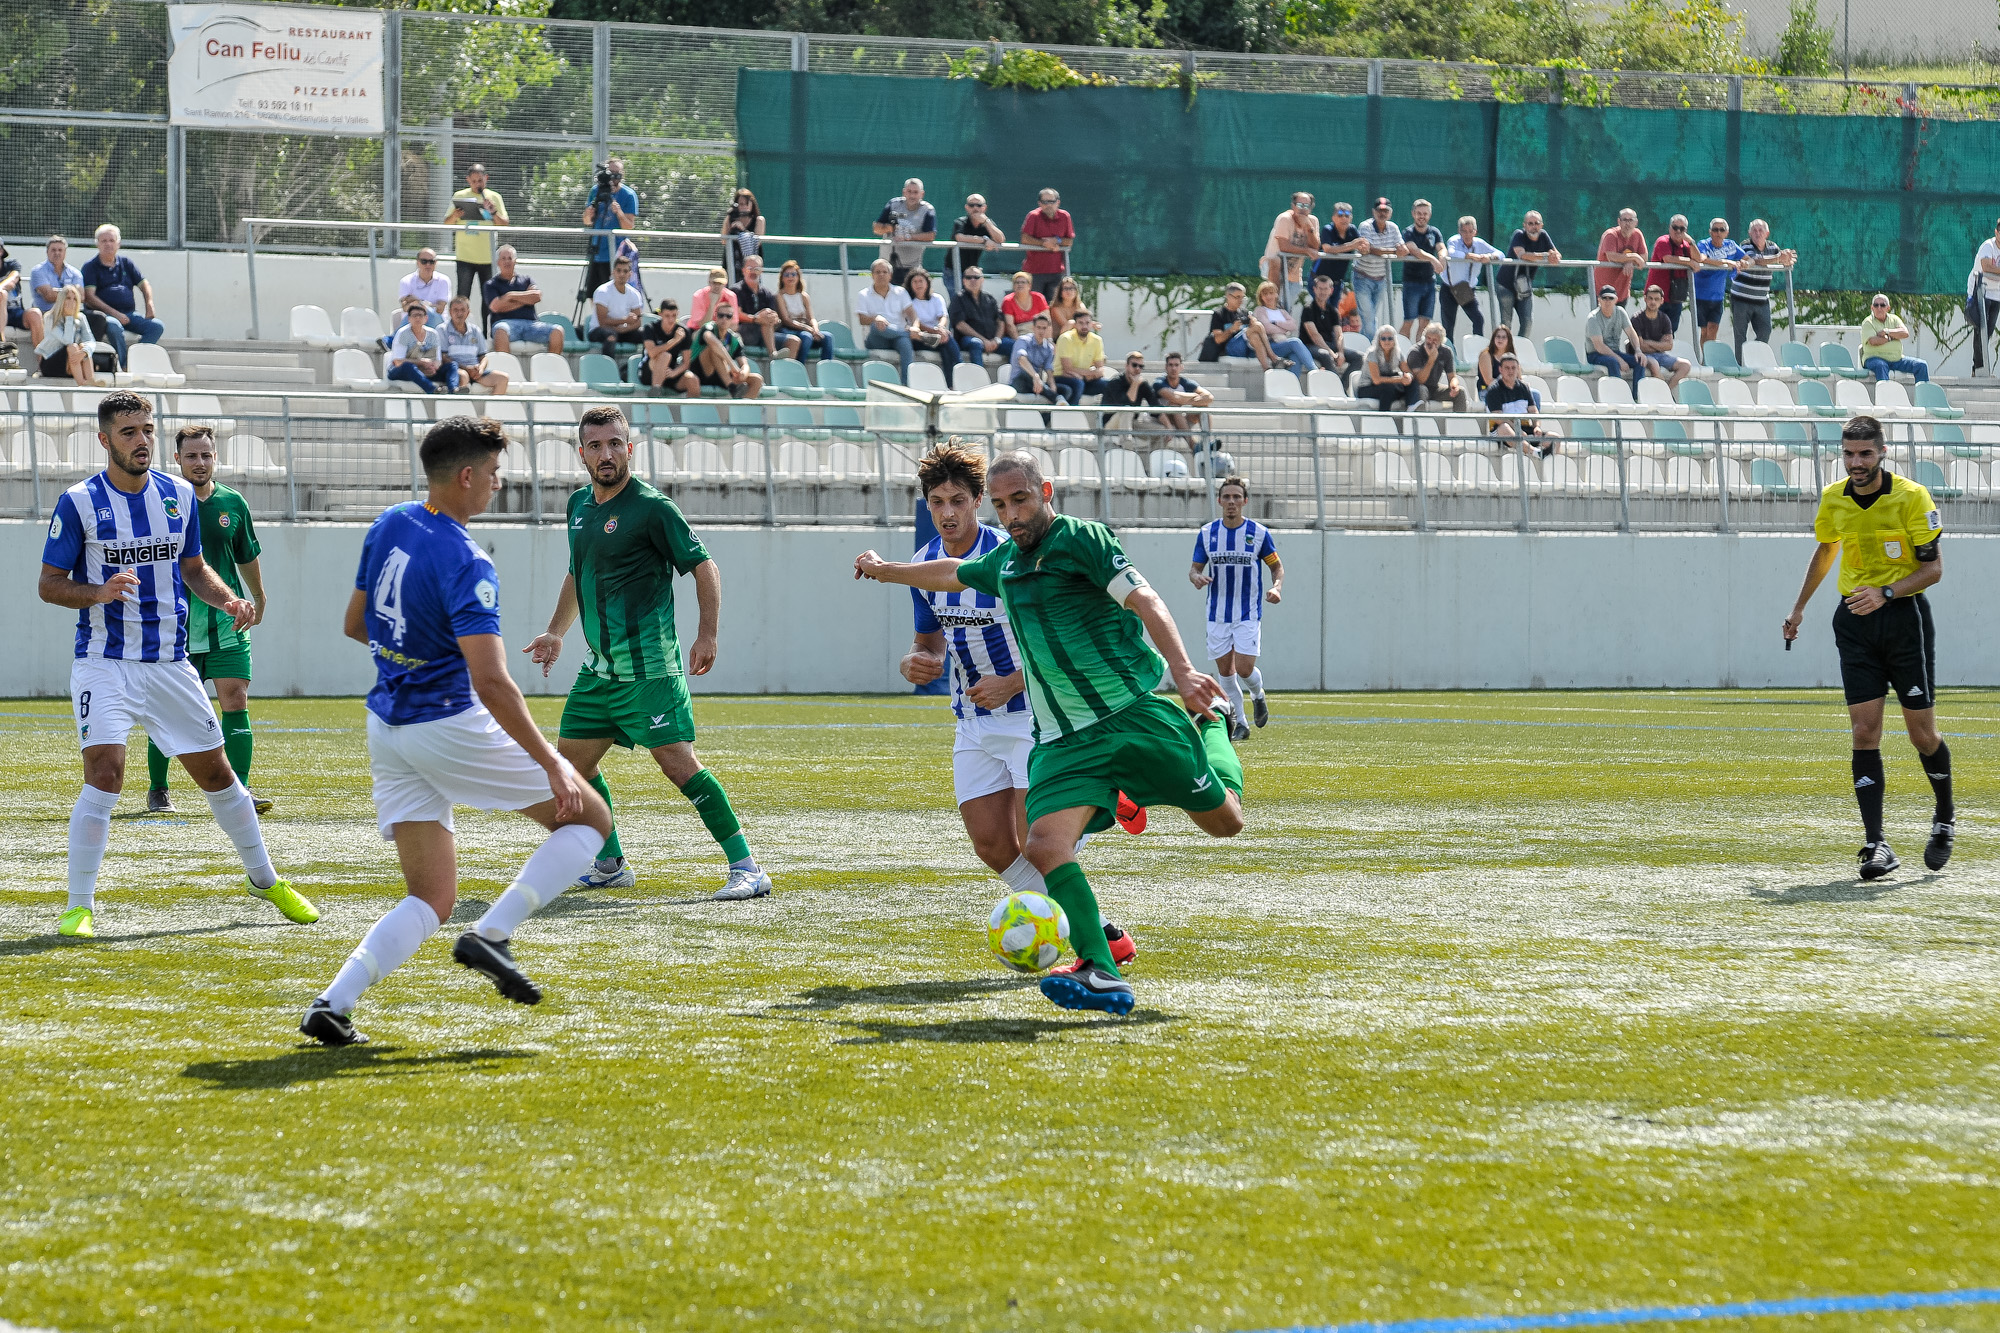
x: 1696, y: 398
x: 1792, y: 434
x: 1930, y: 397
x: 1766, y: 474
x: 838, y: 381
x: 570, y: 340
x: 1813, y: 396
x: 1840, y: 361
x: 600, y: 375
x: 661, y: 416
x: 1720, y: 357
x: 788, y: 377
x: 1562, y: 354
x: 845, y: 423
x: 796, y: 423
x: 1931, y: 477
x: 1798, y: 356
x: 879, y: 371
x: 635, y: 366
x: 844, y: 346
x: 1673, y: 438
x: 704, y: 420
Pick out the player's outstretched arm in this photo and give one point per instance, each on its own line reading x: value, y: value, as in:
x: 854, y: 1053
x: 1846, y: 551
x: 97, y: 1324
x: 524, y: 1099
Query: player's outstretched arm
x: 486, y: 660
x: 1199, y: 692
x: 708, y: 603
x: 1816, y: 570
x: 206, y: 584
x: 547, y: 646
x: 932, y: 575
x: 57, y: 588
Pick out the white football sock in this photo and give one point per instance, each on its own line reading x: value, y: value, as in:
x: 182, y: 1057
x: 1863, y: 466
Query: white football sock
x: 1255, y: 680
x: 388, y: 944
x: 1022, y: 877
x: 236, y: 814
x: 89, y: 835
x: 1234, y: 689
x: 569, y: 851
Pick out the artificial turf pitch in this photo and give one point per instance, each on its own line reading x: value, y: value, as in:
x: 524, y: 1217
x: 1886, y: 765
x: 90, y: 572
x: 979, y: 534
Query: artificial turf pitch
x: 1503, y: 1003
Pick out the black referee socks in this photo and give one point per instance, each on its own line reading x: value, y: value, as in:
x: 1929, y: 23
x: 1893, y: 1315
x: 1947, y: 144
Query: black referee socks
x: 1937, y: 767
x: 1868, y: 791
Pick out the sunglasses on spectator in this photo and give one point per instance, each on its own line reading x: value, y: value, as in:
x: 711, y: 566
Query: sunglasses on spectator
x: 1718, y: 228
x: 1348, y: 213
x: 1880, y: 305
x: 427, y: 261
x: 1678, y: 226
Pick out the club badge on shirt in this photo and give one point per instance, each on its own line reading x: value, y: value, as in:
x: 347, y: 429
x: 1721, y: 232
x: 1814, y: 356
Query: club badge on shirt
x: 611, y: 524
x: 1894, y: 550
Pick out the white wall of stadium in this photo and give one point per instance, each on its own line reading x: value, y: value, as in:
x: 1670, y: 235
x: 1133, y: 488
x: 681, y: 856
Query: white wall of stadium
x: 1362, y: 611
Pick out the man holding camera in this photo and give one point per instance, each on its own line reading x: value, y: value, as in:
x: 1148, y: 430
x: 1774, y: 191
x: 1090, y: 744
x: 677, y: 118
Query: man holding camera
x: 476, y: 206
x: 619, y: 207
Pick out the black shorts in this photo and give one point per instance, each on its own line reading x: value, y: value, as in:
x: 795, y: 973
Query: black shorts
x: 1890, y: 651
x: 1707, y: 313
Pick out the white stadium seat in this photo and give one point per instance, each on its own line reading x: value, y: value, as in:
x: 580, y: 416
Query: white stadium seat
x: 356, y: 369
x: 148, y: 364
x: 361, y: 325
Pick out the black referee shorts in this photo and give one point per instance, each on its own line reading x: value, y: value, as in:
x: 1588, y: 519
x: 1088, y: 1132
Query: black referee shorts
x: 1889, y: 651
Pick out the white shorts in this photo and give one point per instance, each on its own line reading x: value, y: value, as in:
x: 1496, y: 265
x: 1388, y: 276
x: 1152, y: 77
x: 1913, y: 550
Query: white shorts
x: 991, y: 754
x: 424, y: 769
x: 1240, y: 636
x: 109, y: 698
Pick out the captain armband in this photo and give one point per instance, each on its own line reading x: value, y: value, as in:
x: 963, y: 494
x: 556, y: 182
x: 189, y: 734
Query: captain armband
x: 1928, y: 551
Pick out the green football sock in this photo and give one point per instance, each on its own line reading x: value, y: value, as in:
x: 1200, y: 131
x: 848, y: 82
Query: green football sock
x: 612, y: 850
x: 1222, y: 756
x: 711, y: 802
x: 156, y: 767
x: 238, y: 745
x: 1071, y: 891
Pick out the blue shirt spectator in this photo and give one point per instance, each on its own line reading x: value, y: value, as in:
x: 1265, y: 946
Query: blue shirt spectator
x: 47, y: 279
x: 624, y: 200
x: 1711, y: 283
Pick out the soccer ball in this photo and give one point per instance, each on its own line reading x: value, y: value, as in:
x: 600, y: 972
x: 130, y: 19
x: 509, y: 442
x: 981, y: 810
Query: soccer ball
x: 1027, y: 931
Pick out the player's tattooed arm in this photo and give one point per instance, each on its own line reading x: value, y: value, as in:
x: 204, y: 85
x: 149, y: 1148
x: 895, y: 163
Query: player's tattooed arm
x: 924, y: 662
x: 1199, y: 692
x: 206, y: 584
x: 708, y: 602
x: 547, y: 646
x: 57, y: 588
x: 934, y: 575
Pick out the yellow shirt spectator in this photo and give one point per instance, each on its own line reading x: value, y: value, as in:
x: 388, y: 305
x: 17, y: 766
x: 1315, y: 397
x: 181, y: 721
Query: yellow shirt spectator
x: 1076, y: 355
x: 1888, y: 351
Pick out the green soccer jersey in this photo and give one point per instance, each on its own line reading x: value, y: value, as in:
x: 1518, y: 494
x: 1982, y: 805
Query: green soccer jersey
x: 228, y: 539
x: 623, y: 555
x: 1084, y: 654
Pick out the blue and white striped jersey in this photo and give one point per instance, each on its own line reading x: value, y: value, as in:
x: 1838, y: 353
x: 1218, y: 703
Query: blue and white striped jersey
x: 1235, y: 560
x: 99, y: 530
x: 977, y: 641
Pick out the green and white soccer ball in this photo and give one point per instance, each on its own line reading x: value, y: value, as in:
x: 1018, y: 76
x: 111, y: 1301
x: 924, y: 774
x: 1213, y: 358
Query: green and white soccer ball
x: 1027, y: 931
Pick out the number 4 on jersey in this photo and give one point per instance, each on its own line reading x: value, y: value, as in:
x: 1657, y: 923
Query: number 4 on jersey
x: 389, y: 591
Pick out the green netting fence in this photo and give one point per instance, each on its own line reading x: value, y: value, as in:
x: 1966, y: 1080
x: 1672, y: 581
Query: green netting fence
x: 1160, y: 184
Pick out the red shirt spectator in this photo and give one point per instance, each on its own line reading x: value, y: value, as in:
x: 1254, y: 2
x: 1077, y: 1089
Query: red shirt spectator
x: 1672, y: 282
x: 1623, y: 239
x: 1048, y: 222
x: 1022, y: 305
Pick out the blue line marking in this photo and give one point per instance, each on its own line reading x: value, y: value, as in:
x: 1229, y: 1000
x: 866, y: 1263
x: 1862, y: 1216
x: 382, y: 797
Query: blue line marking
x: 1663, y: 1314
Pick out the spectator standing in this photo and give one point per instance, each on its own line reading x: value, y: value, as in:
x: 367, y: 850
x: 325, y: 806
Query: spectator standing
x: 465, y: 346
x: 1750, y: 289
x: 1338, y: 241
x: 1020, y: 306
x: 1068, y: 300
x: 426, y: 285
x: 1371, y: 265
x: 742, y: 227
x: 1882, y: 336
x: 511, y: 297
x: 911, y: 224
x: 1514, y: 405
x: 1132, y: 389
x: 1034, y: 363
x: 21, y: 314
x: 1390, y: 383
x: 1320, y: 329
x: 621, y: 211
x: 1501, y: 345
x: 976, y: 320
x: 416, y: 352
x: 884, y: 310
x: 1982, y: 295
x: 1176, y: 390
x: 1233, y: 332
x: 757, y: 310
x: 1606, y: 331
x: 795, y: 314
x: 930, y: 321
x: 47, y: 279
x: 670, y: 350
x: 65, y: 345
x: 1719, y: 258
x: 1048, y: 232
x: 719, y: 362
x: 476, y: 206
x: 1420, y: 275
x: 113, y: 287
x: 1281, y: 331
x: 1674, y: 265
x: 618, y: 308
x: 1294, y: 239
x: 1080, y: 359
x: 1529, y: 246
x: 1653, y: 339
x: 1620, y: 252
x: 1466, y: 258
x: 1434, y: 371
x: 976, y: 234
x: 701, y: 308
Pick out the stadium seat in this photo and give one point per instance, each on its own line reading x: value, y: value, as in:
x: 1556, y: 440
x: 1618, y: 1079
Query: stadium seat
x: 1733, y: 396
x: 1324, y: 386
x: 1931, y: 398
x: 880, y: 371
x: 356, y: 369
x: 1720, y: 357
x: 359, y: 324
x: 704, y: 459
x: 1574, y: 392
x: 1561, y: 354
x: 247, y: 457
x: 844, y: 347
x: 1748, y: 439
x: 796, y: 422
x: 849, y: 461
x: 838, y: 381
x: 1077, y: 466
x: 748, y: 418
x: 1893, y: 400
x: 1817, y: 400
x: 548, y: 372
x: 1470, y: 345
x: 927, y: 377
x: 600, y: 375
x: 202, y: 407
x: 1696, y: 397
x: 1969, y: 478
x: 1391, y: 472
x: 1777, y: 396
x: 1613, y: 392
x: 1761, y: 360
x: 1127, y: 469
x: 969, y: 375
x: 799, y: 460
x: 1837, y: 359
x: 1948, y: 433
x: 314, y: 327
x: 1852, y: 396
x: 750, y: 460
x: 1798, y: 357
x: 1930, y: 476
x: 788, y: 377
x: 561, y: 322
x: 1282, y: 386
x: 845, y: 423
x: 148, y: 364
x: 1167, y: 465
x: 557, y: 461
x: 1656, y: 398
x: 702, y: 419
x: 1773, y: 477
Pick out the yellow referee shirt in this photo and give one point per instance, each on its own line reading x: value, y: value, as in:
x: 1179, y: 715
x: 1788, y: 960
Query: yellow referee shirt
x: 1879, y: 535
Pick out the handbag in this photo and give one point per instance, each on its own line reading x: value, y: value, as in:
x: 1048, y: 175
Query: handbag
x: 1524, y: 284
x: 1463, y: 293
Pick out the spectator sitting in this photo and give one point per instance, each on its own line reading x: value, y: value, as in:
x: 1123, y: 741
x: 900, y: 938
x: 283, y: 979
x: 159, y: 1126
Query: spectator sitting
x: 1371, y: 265
x: 465, y: 346
x: 1132, y: 389
x: 1982, y: 296
x: 1606, y: 332
x: 1488, y: 369
x: 1080, y: 358
x: 511, y: 297
x: 1294, y: 239
x: 1673, y: 269
x: 476, y: 206
x: 1882, y: 338
x: 1048, y: 232
x: 757, y: 311
x: 930, y: 321
x: 47, y: 279
x: 1515, y: 404
x: 797, y: 327
x: 1177, y: 390
x: 1531, y: 245
x: 1750, y: 289
x: 976, y: 234
x: 719, y: 364
x: 112, y: 285
x: 703, y: 305
x: 65, y: 345
x: 1466, y: 259
x: 1232, y: 331
x: 416, y: 352
x: 884, y: 310
x: 20, y: 313
x: 912, y: 224
x: 743, y: 226
x: 1320, y: 325
x: 1653, y: 339
x: 1067, y: 301
x: 1019, y: 308
x: 1420, y: 275
x: 426, y: 285
x: 1434, y: 371
x: 1620, y: 252
x: 1719, y: 258
x: 623, y: 205
x: 1338, y: 239
x: 976, y: 321
x: 618, y: 308
x: 1390, y: 383
x: 670, y: 350
x: 1281, y: 331
x: 1034, y: 364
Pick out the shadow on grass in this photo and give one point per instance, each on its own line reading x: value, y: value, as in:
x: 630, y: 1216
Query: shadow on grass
x: 990, y: 1031
x: 1838, y: 891
x: 823, y: 998
x: 318, y: 1064
x: 37, y: 944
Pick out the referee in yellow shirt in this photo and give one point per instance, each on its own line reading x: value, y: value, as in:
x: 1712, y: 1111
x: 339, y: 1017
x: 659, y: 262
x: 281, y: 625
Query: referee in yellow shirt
x: 1885, y: 530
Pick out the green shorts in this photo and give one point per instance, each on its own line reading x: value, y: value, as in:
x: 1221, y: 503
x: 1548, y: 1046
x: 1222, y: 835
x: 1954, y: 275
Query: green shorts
x: 223, y: 663
x: 1150, y: 750
x: 642, y: 714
